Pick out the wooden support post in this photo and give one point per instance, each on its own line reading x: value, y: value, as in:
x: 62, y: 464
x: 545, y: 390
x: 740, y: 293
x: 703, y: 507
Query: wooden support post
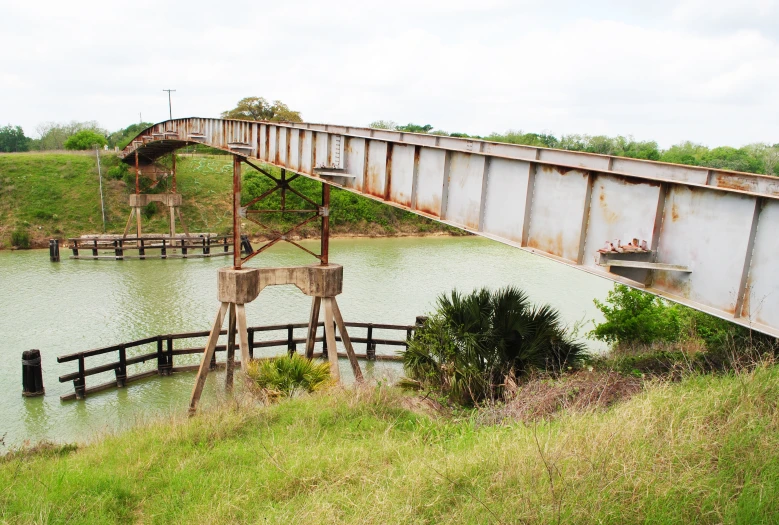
x: 138, y: 230
x: 141, y: 249
x: 94, y: 248
x: 251, y: 343
x: 79, y: 384
x: 212, y: 364
x: 172, y: 222
x: 230, y: 364
x: 54, y: 250
x: 346, y: 340
x: 162, y: 363
x: 313, y: 321
x: 290, y: 340
x: 243, y: 335
x: 75, y: 248
x: 169, y: 343
x: 208, y: 353
x: 164, y: 251
x: 32, y: 374
x: 370, y: 346
x: 332, y: 349
x: 121, y: 370
x: 129, y: 221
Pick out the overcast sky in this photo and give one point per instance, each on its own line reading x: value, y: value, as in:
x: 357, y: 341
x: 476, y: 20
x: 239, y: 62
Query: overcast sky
x: 701, y: 70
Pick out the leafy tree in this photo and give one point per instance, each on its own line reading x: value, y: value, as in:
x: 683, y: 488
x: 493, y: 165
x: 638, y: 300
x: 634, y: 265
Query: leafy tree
x: 635, y: 317
x: 84, y: 139
x: 257, y: 108
x: 473, y: 343
x: 415, y: 128
x: 526, y: 139
x: 383, y: 124
x: 768, y: 154
x: 122, y: 137
x: 12, y: 139
x: 53, y: 135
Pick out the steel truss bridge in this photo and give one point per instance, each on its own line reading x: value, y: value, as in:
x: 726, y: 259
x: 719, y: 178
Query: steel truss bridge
x: 705, y: 238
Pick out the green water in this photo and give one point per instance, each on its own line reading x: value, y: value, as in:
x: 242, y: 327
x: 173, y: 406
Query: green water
x: 78, y: 305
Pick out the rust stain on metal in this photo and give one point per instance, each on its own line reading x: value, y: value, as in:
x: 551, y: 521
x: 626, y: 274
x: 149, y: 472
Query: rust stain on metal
x: 388, y: 173
x: 732, y: 182
x: 674, y: 212
x: 609, y: 216
x: 431, y: 207
x: 552, y: 245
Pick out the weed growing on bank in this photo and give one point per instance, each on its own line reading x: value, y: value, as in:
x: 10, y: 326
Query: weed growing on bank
x: 702, y: 450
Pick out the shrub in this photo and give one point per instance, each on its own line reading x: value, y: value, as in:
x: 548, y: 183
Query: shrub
x: 85, y: 139
x: 289, y: 374
x: 20, y: 239
x: 633, y: 316
x: 638, y: 319
x: 118, y: 172
x: 149, y: 210
x: 474, y: 343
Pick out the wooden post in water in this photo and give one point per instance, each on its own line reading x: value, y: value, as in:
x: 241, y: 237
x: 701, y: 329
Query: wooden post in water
x: 54, y: 250
x: 32, y: 374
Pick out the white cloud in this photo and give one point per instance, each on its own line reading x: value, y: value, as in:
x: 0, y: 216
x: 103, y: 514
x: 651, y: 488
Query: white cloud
x: 660, y: 73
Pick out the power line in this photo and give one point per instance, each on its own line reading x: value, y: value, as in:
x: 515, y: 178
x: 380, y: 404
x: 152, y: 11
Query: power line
x: 170, y: 110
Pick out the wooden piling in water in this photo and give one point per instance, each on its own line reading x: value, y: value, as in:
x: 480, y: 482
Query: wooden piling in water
x: 32, y: 374
x: 54, y: 250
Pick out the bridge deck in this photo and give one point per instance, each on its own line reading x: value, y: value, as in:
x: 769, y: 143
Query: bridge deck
x: 708, y: 235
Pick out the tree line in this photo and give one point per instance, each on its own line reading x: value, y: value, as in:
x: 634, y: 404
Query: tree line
x: 73, y: 135
x: 753, y: 158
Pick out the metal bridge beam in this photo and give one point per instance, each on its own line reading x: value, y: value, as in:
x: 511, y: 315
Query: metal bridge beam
x: 717, y: 226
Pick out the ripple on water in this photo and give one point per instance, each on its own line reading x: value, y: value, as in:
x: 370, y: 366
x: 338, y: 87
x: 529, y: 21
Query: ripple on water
x: 77, y: 305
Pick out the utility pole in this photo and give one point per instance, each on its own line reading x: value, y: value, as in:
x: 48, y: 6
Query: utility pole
x: 100, y: 178
x: 170, y: 111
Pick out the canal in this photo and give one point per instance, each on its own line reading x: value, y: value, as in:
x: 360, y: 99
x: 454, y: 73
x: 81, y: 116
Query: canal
x: 77, y: 305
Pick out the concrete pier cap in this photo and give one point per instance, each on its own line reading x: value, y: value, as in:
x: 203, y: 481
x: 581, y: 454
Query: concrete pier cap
x: 167, y: 199
x: 244, y: 285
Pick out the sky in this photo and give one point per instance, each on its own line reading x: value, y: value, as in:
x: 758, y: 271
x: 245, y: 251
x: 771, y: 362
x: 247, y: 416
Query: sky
x: 700, y: 70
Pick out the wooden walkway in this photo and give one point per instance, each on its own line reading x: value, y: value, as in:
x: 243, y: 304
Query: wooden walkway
x: 165, y: 352
x: 117, y: 248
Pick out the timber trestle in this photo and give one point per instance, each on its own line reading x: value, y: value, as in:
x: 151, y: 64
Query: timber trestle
x: 163, y: 350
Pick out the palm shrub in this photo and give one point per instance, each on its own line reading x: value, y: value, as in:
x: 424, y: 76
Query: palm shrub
x: 289, y: 374
x: 473, y: 343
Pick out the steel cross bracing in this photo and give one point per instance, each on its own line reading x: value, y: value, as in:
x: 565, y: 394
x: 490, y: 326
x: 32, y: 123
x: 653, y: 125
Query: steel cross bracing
x: 315, y: 213
x: 702, y: 237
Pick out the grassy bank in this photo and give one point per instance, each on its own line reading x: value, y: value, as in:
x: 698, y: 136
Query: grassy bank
x: 704, y: 450
x: 56, y: 195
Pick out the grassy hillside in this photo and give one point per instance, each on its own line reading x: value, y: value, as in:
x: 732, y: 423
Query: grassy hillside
x: 56, y: 195
x: 705, y: 450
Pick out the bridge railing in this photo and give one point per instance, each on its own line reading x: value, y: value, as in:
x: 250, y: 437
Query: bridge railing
x: 165, y: 351
x: 176, y: 247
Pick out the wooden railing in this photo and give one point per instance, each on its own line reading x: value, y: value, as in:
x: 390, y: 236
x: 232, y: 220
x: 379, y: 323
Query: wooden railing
x: 165, y: 352
x: 176, y: 247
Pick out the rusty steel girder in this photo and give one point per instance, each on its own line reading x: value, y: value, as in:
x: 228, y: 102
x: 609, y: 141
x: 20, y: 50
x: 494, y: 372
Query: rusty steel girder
x: 698, y: 236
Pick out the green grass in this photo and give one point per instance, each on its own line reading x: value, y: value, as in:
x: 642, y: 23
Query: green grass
x: 704, y: 450
x: 56, y: 195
